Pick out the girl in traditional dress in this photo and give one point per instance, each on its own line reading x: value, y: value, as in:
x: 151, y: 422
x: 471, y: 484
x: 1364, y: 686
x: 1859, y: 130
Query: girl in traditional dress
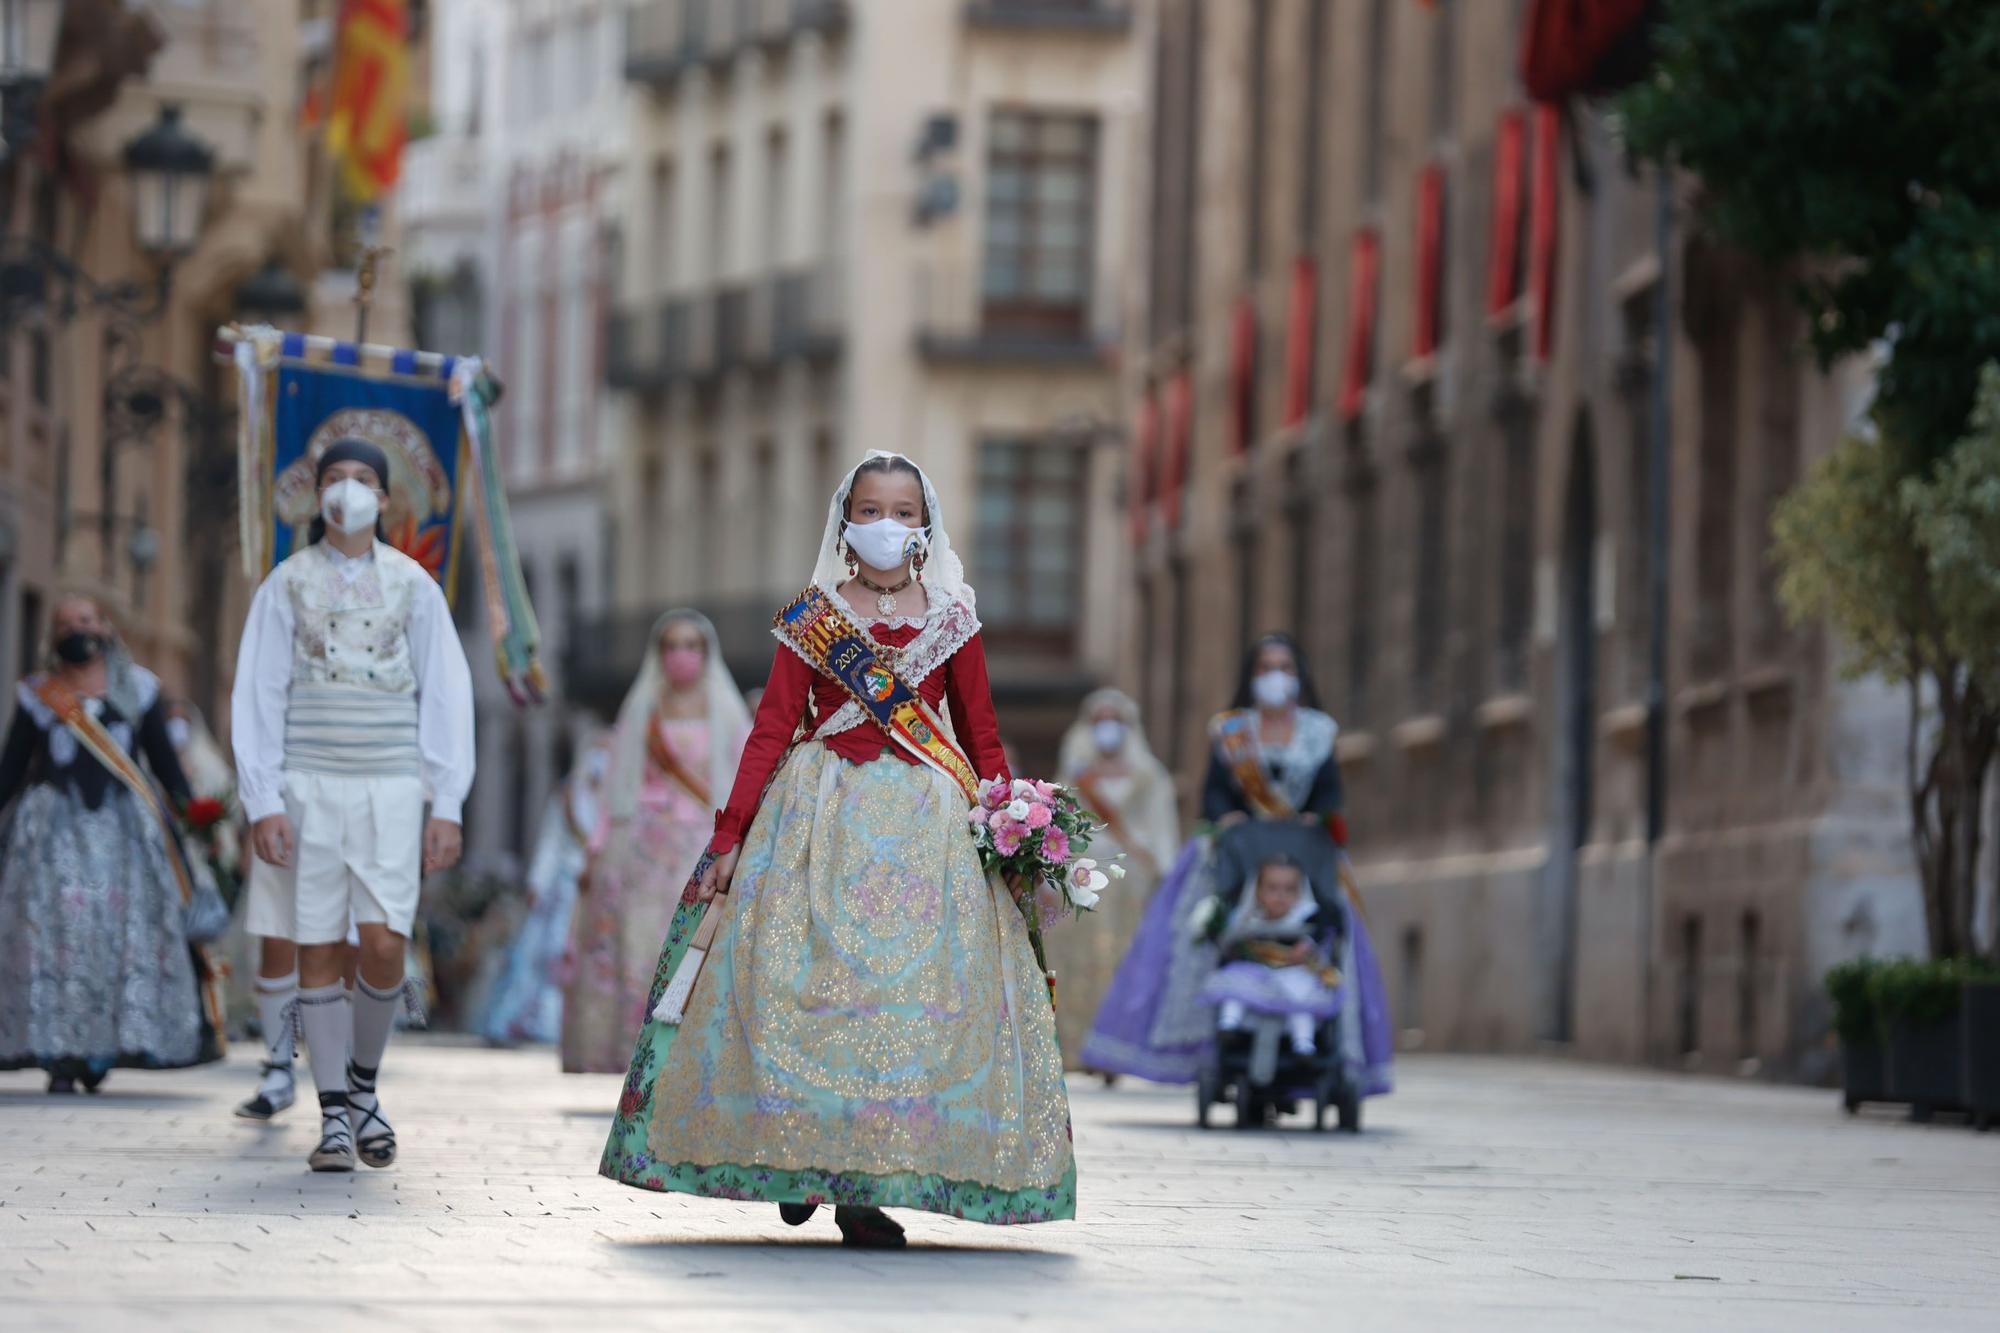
x: 870, y: 1028
x: 95, y: 966
x: 673, y: 756
x: 1105, y: 758
x: 527, y: 1000
x: 1271, y: 757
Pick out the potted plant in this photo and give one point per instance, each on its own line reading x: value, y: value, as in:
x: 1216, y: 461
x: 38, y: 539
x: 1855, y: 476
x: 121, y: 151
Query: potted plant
x: 1922, y: 1031
x: 1981, y: 1034
x: 1864, y: 1075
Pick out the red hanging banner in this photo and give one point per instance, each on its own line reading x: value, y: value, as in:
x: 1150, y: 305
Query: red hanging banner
x: 1547, y: 200
x: 1364, y: 259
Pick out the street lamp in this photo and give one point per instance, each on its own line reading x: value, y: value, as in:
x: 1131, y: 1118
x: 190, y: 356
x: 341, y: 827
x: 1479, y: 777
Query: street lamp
x: 170, y: 170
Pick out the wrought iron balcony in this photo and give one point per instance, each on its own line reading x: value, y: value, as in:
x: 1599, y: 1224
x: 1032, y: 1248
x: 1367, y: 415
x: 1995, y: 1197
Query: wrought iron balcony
x: 664, y: 39
x: 957, y: 323
x: 806, y: 318
x: 649, y: 346
x: 1081, y: 16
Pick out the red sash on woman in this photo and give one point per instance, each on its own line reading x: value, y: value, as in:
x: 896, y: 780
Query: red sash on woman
x: 664, y: 759
x: 1236, y: 739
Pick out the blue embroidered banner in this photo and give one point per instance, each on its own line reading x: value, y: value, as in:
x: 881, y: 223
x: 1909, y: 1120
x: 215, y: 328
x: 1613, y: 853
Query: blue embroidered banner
x: 409, y: 415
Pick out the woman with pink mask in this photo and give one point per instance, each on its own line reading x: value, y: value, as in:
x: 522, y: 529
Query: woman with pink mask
x: 673, y: 760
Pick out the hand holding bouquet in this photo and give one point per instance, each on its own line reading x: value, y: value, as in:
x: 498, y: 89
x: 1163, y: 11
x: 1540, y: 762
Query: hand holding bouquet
x: 1034, y: 836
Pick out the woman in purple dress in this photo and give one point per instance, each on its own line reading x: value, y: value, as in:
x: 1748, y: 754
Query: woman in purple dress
x: 1271, y: 758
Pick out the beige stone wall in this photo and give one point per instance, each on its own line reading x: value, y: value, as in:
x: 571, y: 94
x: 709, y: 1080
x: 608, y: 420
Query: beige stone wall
x: 1459, y: 769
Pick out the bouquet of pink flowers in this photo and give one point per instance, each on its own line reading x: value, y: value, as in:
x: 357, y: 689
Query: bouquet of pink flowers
x: 1034, y: 836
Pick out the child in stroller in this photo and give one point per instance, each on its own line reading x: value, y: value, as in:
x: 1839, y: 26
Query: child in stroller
x: 1275, y: 960
x: 1276, y: 990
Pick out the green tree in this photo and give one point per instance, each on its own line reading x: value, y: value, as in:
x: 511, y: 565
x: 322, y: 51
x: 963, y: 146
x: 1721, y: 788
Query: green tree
x: 1851, y: 141
x: 1907, y: 568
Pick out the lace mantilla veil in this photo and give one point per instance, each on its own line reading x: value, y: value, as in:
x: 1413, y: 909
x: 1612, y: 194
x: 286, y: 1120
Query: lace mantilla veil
x: 944, y: 572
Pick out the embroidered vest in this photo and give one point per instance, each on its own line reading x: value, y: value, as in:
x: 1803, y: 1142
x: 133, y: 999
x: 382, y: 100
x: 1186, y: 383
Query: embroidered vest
x: 352, y: 709
x: 352, y: 632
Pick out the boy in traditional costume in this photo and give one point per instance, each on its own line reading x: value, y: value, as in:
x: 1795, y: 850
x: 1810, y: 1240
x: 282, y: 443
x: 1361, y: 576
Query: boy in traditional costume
x: 352, y: 711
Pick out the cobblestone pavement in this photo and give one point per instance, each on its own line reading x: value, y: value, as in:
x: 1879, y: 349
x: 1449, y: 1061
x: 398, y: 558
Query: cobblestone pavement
x: 1485, y: 1194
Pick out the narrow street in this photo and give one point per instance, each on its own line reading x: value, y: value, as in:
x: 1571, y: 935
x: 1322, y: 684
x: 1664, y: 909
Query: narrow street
x: 1485, y: 1194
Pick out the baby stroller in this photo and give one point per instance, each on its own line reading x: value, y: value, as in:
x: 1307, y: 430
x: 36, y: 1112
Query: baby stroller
x: 1256, y: 1066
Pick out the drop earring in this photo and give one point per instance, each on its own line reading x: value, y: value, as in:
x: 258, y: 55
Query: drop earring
x: 917, y: 566
x: 847, y: 555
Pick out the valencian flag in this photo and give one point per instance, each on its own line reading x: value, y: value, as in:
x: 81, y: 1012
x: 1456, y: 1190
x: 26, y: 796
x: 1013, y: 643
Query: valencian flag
x: 430, y: 415
x: 371, y: 80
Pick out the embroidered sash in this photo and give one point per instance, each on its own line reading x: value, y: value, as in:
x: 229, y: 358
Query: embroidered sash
x: 828, y: 638
x: 68, y: 707
x: 664, y: 759
x: 1236, y: 741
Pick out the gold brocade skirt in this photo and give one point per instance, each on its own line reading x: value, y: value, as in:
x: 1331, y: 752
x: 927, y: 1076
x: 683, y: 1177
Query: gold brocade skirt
x: 872, y: 1006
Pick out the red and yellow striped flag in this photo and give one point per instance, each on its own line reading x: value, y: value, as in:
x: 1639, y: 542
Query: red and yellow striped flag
x: 371, y: 83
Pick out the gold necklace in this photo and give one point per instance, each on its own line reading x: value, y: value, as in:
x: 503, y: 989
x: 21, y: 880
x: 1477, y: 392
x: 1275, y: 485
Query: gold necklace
x: 885, y: 598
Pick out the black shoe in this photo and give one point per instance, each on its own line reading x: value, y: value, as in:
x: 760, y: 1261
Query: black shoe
x: 868, y: 1229
x: 797, y: 1214
x: 374, y: 1139
x: 61, y: 1086
x: 263, y: 1106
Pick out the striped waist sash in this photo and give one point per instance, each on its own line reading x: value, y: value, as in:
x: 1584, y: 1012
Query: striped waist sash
x: 351, y: 732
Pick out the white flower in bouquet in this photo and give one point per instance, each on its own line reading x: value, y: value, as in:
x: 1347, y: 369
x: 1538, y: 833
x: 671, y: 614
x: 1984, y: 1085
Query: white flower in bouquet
x: 1024, y: 790
x: 1086, y: 883
x: 1018, y: 810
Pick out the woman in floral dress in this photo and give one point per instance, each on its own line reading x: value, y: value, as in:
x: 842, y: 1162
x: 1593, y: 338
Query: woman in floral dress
x: 870, y: 1028
x: 95, y: 966
x: 673, y: 756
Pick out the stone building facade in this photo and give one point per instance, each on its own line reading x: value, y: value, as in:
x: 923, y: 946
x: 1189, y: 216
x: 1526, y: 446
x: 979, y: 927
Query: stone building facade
x: 1391, y: 389
x: 508, y: 205
x: 852, y: 226
x: 136, y: 507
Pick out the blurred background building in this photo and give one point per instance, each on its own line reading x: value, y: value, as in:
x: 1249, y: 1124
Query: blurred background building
x: 1206, y: 318
x: 848, y: 227
x: 159, y: 177
x: 1393, y: 393
x: 508, y: 202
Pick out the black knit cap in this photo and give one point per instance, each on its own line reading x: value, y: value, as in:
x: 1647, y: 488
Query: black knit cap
x: 351, y: 450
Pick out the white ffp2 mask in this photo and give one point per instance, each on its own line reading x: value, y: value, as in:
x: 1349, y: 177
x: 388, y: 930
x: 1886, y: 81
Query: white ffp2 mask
x: 885, y: 543
x: 1274, y: 689
x: 349, y: 506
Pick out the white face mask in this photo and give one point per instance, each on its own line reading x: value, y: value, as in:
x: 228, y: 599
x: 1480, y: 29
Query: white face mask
x: 1274, y: 689
x: 178, y: 732
x: 885, y: 543
x: 349, y: 506
x: 1109, y: 733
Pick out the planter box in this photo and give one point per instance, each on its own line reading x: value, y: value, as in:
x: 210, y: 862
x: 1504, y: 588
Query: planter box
x: 1927, y: 1064
x: 1864, y: 1072
x: 1979, y: 1013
